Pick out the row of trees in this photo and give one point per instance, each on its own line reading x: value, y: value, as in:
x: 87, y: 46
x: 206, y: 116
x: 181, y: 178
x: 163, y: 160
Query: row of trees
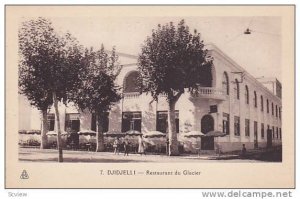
x: 55, y: 68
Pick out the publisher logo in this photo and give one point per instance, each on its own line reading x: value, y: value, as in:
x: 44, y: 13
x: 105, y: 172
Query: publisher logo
x: 24, y: 175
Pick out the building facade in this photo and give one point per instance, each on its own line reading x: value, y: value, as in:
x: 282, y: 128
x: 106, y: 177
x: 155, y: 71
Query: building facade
x: 246, y: 109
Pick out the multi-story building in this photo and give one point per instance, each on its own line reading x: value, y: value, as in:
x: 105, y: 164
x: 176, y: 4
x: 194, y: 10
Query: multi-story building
x: 246, y: 109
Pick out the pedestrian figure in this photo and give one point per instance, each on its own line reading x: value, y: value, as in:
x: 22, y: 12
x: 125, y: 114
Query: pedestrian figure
x: 126, y: 147
x: 167, y: 146
x: 244, y: 151
x: 141, y: 149
x: 116, y: 146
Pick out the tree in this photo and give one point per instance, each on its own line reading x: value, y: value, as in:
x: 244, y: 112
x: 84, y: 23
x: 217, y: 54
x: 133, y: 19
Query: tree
x: 173, y: 61
x: 50, y: 66
x: 32, y: 87
x: 98, y: 91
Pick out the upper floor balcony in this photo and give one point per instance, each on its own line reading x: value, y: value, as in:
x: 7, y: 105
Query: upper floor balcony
x: 210, y: 93
x: 203, y: 92
x: 131, y: 95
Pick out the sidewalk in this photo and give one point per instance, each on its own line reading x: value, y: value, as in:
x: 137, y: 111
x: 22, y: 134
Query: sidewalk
x: 273, y: 154
x: 263, y: 154
x: 50, y: 155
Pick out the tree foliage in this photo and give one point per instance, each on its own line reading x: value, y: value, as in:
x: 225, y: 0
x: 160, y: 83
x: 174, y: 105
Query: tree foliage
x: 173, y: 59
x: 97, y: 90
x: 48, y: 62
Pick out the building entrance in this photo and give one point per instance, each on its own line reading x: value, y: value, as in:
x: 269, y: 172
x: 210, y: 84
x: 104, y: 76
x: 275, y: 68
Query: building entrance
x: 207, y: 124
x: 269, y: 138
x: 72, y: 126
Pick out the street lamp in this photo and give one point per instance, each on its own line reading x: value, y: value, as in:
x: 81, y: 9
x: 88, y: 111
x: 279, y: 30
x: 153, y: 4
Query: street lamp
x: 247, y: 31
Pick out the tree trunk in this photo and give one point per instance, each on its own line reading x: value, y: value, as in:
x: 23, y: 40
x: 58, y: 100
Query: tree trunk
x: 45, y: 128
x: 100, y: 138
x: 59, y: 143
x: 173, y: 143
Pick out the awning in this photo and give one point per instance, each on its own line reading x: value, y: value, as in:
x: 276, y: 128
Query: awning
x: 193, y: 134
x: 215, y: 134
x: 152, y: 134
x: 87, y: 132
x: 133, y: 132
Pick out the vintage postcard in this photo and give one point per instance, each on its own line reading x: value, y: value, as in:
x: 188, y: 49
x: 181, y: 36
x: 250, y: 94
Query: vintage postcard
x: 150, y: 96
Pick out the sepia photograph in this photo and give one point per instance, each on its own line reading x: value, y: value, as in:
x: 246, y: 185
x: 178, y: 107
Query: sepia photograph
x: 197, y: 87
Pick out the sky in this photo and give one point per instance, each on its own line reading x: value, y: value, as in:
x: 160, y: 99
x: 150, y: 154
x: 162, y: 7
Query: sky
x: 259, y: 52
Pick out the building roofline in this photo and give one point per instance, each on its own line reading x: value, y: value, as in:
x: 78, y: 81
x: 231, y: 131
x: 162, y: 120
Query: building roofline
x: 123, y: 54
x: 214, y: 48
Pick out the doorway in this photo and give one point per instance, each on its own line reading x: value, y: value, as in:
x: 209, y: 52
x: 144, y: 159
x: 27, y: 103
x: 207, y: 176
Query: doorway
x: 269, y: 138
x: 207, y: 124
x: 72, y: 126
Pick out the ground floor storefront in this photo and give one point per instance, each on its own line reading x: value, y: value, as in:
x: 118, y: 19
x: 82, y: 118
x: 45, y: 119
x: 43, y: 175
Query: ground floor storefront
x: 135, y: 113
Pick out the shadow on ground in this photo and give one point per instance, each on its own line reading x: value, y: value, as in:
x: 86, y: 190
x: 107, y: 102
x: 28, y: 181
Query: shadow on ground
x: 272, y: 156
x: 267, y: 155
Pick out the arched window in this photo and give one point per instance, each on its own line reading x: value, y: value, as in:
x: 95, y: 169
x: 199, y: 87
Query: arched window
x: 225, y: 83
x: 246, y: 94
x: 261, y: 103
x: 267, y: 106
x: 130, y: 82
x: 255, y: 99
x: 237, y: 89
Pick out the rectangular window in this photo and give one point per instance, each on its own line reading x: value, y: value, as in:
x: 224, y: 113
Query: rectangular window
x: 255, y: 130
x: 236, y: 125
x: 247, y: 127
x: 162, y: 121
x: 105, y: 122
x: 72, y: 122
x: 262, y: 130
x: 279, y: 133
x: 279, y: 113
x: 51, y: 121
x: 277, y: 136
x: 226, y: 123
x: 131, y: 121
x: 273, y: 132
